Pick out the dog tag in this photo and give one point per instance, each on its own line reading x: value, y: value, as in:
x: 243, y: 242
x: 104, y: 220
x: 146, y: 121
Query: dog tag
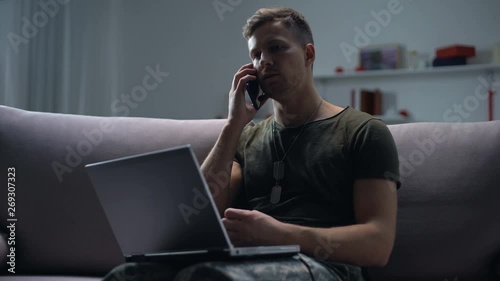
x: 275, y: 194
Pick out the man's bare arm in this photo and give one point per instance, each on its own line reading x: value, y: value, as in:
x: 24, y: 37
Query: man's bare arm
x: 367, y: 243
x: 221, y: 174
x: 223, y: 177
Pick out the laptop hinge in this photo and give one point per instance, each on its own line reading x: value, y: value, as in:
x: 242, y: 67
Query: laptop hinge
x: 135, y: 258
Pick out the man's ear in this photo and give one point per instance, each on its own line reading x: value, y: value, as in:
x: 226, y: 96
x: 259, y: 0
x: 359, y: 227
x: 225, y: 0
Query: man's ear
x: 310, y: 54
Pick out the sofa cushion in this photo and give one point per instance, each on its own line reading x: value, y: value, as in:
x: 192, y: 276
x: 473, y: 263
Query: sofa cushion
x: 61, y: 228
x: 448, y: 203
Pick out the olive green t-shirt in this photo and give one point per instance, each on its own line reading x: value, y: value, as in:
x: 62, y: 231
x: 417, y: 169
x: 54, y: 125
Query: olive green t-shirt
x: 320, y: 168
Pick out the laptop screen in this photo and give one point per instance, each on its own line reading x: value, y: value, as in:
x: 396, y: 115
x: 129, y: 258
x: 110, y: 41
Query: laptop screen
x: 157, y: 202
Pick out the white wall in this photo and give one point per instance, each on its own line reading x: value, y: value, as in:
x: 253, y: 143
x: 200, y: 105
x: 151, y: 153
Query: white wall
x: 422, y: 26
x: 201, y: 52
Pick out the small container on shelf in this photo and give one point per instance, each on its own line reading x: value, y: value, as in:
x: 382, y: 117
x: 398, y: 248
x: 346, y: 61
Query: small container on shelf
x: 412, y: 60
x: 417, y: 60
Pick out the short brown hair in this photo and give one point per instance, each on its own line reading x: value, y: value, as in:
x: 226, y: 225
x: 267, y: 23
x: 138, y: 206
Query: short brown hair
x: 289, y: 17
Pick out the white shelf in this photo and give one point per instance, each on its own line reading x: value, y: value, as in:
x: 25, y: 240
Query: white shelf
x: 409, y: 72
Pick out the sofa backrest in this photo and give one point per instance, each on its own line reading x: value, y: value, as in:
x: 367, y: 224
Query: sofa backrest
x: 61, y: 227
x: 448, y: 226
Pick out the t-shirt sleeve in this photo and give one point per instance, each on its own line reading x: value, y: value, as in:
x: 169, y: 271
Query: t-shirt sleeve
x: 238, y: 156
x: 374, y: 152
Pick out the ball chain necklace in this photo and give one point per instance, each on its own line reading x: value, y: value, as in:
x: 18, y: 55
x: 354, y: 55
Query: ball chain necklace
x: 279, y: 166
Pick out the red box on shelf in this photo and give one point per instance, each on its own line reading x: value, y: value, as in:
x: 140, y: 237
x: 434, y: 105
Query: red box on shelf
x: 456, y: 51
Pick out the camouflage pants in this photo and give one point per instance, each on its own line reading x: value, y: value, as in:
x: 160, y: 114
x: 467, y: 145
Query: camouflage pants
x: 299, y: 267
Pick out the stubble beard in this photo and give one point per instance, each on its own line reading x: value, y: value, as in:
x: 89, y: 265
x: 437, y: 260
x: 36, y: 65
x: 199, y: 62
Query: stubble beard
x: 291, y: 87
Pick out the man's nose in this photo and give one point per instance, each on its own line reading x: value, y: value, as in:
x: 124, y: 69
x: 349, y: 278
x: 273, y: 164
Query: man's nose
x: 265, y: 60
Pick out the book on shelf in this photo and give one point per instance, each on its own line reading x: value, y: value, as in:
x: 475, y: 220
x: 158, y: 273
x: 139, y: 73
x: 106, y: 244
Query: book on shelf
x: 371, y: 101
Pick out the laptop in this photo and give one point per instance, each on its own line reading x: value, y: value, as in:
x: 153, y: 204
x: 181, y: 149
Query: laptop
x: 159, y: 208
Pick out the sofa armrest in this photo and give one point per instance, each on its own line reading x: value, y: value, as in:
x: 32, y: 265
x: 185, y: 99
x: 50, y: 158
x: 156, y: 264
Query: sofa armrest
x: 3, y: 251
x: 64, y: 230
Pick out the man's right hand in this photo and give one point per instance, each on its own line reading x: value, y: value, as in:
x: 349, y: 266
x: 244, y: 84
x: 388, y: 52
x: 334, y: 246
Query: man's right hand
x: 241, y: 112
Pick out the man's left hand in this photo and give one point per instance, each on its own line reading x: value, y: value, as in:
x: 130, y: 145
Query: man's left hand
x: 252, y: 228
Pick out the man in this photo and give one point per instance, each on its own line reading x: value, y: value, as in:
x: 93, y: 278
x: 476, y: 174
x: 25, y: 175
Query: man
x: 314, y: 174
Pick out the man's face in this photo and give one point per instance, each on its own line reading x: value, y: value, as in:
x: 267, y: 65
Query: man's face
x: 279, y: 59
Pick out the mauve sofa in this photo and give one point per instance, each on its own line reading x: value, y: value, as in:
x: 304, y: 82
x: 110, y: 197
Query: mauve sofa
x: 449, y: 203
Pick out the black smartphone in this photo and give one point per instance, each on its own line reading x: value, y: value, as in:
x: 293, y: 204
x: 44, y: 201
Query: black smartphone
x: 254, y: 91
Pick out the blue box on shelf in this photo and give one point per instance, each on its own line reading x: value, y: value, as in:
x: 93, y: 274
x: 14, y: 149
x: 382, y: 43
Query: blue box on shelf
x: 449, y: 61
